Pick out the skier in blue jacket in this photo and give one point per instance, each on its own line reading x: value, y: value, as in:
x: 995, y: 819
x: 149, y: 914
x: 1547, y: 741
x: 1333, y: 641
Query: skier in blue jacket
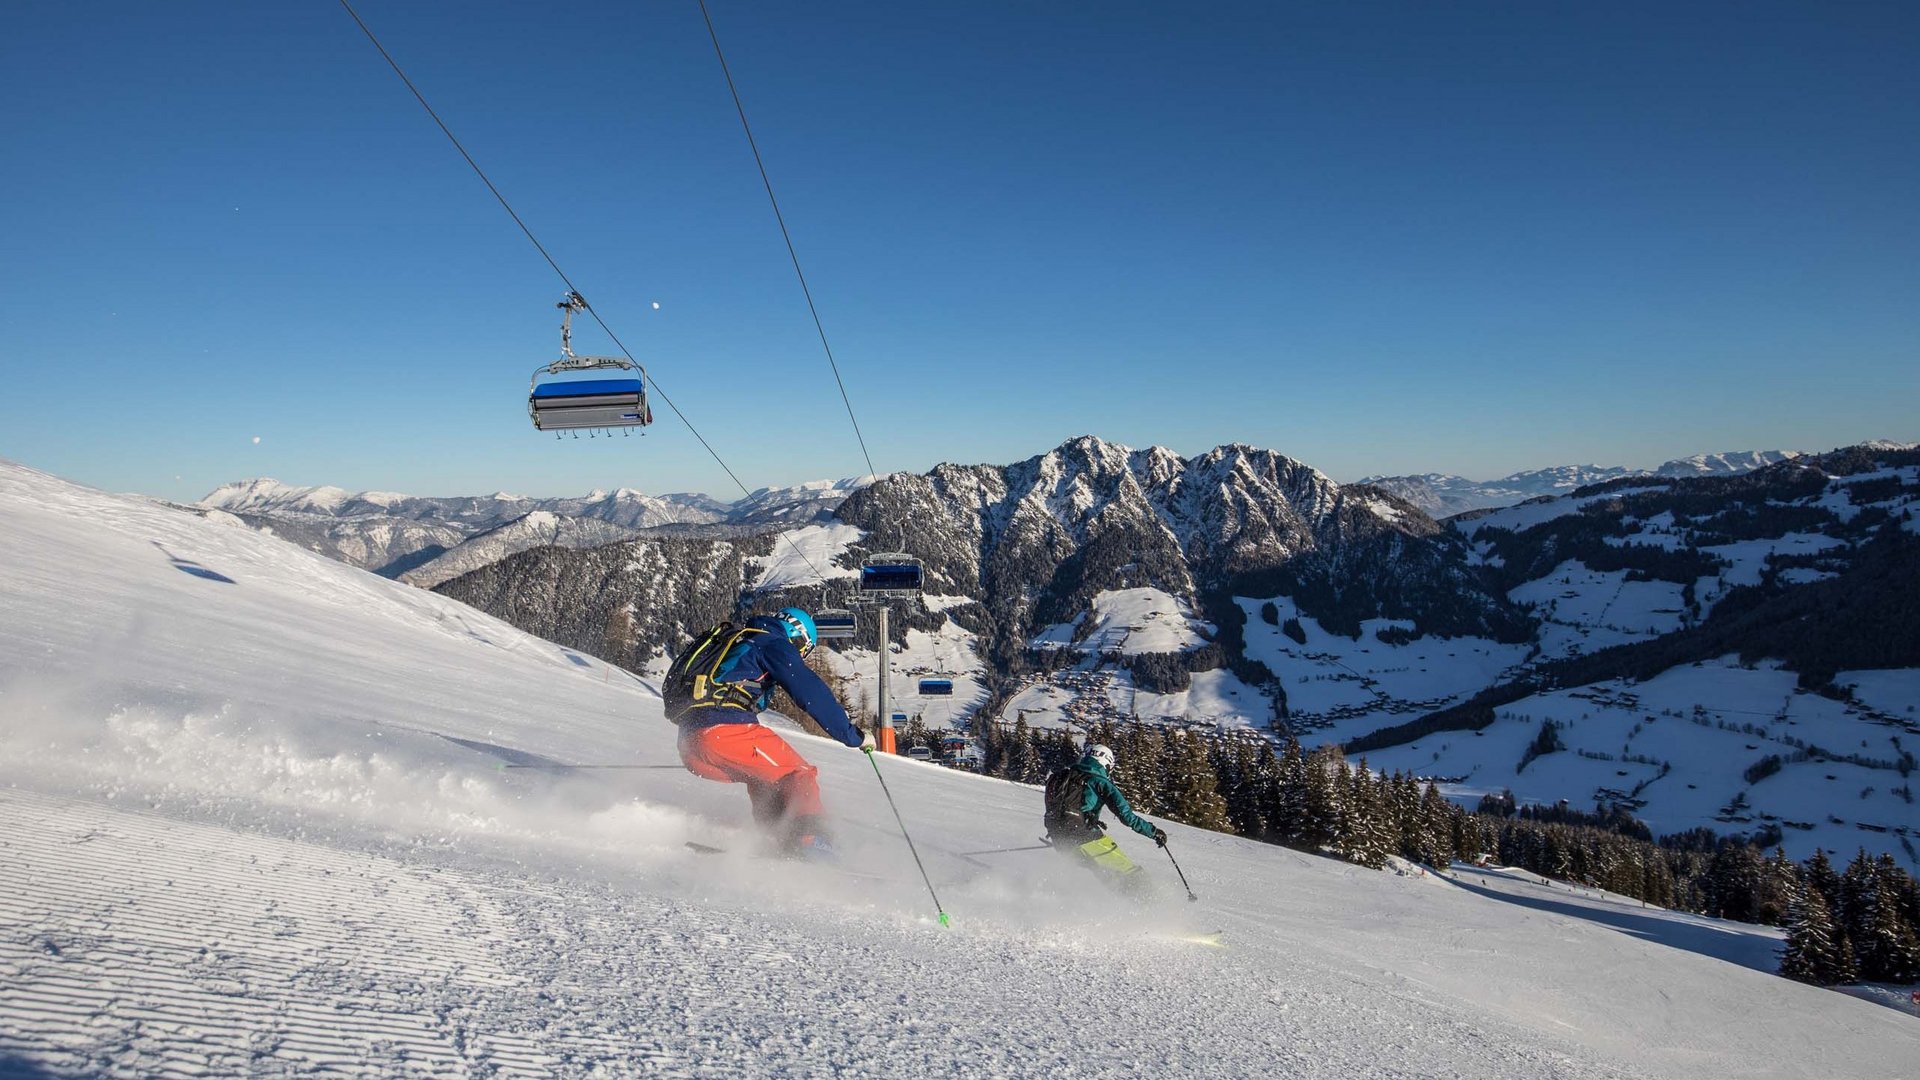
x: 721, y: 737
x: 1075, y: 796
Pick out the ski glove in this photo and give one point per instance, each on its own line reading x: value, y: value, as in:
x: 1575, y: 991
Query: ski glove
x: 1160, y: 836
x: 867, y: 744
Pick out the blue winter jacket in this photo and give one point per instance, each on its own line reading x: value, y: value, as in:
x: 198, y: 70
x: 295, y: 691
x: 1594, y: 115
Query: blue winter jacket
x: 1101, y: 791
x: 766, y: 661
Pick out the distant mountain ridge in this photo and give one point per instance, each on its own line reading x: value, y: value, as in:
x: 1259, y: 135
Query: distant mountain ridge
x: 422, y: 537
x: 1036, y: 540
x: 1442, y: 495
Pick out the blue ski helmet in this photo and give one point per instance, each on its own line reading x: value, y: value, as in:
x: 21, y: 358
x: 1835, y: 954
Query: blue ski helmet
x: 800, y: 628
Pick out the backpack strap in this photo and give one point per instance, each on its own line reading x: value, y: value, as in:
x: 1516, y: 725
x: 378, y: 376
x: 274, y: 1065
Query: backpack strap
x: 709, y: 691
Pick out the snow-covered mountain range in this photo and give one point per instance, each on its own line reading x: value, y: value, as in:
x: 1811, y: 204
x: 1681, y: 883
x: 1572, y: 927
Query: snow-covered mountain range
x: 1338, y: 613
x: 1443, y: 495
x: 266, y: 814
x: 1341, y: 614
x: 422, y: 537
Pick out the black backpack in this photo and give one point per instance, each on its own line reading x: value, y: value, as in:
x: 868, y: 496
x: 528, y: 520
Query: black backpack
x: 1066, y: 794
x: 690, y: 682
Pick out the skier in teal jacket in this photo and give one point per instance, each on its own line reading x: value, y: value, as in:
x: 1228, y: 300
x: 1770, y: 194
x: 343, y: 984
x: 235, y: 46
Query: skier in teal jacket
x: 1075, y: 797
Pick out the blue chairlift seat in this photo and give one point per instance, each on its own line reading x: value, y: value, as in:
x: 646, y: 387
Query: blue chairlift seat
x: 610, y: 402
x: 890, y: 577
x: 834, y: 623
x: 936, y: 687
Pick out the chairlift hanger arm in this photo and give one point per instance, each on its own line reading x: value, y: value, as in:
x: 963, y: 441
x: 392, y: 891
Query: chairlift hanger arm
x: 571, y: 303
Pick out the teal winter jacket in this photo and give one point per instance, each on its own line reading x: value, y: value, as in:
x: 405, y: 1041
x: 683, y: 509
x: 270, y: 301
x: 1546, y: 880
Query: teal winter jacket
x: 1102, y: 792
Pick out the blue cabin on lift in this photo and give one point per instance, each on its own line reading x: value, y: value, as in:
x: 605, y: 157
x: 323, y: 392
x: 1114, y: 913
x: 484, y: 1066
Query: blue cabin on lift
x: 936, y: 687
x: 614, y: 396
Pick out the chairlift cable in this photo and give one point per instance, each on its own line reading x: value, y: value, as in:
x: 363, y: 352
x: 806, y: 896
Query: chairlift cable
x: 478, y: 171
x: 787, y: 236
x: 571, y: 289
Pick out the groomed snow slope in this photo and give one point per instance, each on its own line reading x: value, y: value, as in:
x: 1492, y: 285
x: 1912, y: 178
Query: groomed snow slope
x: 254, y: 819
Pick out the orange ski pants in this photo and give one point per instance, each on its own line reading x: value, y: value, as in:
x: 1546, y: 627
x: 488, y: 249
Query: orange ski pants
x: 782, y: 786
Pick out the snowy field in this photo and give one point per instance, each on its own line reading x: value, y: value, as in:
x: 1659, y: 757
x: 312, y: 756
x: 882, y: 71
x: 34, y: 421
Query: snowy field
x: 805, y: 556
x: 1092, y: 691
x: 1583, y: 610
x: 264, y: 814
x: 1657, y: 742
x: 1338, y: 688
x: 1131, y: 621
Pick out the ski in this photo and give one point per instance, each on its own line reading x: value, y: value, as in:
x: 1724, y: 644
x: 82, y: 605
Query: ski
x: 709, y: 849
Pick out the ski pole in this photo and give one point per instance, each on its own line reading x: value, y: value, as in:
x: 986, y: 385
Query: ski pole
x: 1176, y: 869
x: 561, y: 768
x: 909, y: 839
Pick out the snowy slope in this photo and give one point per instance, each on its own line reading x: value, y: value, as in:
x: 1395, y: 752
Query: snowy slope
x: 1130, y: 621
x: 255, y: 817
x: 1338, y: 687
x: 540, y: 528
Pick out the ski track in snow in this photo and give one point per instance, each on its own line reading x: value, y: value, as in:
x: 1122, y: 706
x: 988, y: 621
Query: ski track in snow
x: 193, y: 947
x: 264, y: 823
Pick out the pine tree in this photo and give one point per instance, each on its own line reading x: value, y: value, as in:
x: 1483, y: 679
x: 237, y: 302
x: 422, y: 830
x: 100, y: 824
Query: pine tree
x: 1904, y: 887
x: 916, y: 734
x: 1847, y: 968
x: 1436, y: 828
x: 1778, y: 880
x: 1324, y: 801
x: 1888, y: 952
x: 1820, y: 875
x: 1812, y: 953
x: 1365, y: 837
x: 1020, y: 760
x: 993, y: 754
x: 1286, y: 802
x: 1261, y: 781
x: 1194, y: 788
x: 1059, y: 753
x: 1405, y: 825
x: 1657, y: 881
x: 1733, y: 882
x: 1140, y: 768
x: 1856, y: 888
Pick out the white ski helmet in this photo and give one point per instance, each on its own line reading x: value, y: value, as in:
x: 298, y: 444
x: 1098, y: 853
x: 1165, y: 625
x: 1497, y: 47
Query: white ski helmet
x: 1101, y: 754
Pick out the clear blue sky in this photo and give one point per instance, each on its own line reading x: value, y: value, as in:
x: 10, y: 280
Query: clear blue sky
x: 1377, y: 237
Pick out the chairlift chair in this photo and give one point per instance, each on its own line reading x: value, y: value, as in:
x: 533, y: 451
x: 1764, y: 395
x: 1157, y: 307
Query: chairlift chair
x: 834, y: 623
x: 615, y: 399
x: 890, y: 574
x: 936, y: 687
